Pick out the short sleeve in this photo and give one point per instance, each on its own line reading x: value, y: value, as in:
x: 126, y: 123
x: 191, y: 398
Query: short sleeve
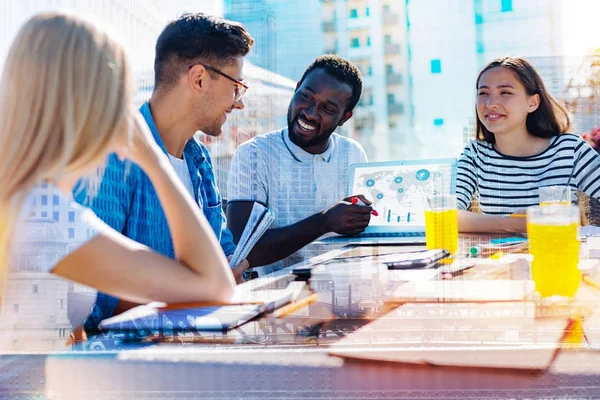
x: 247, y: 181
x: 586, y: 169
x: 466, y: 179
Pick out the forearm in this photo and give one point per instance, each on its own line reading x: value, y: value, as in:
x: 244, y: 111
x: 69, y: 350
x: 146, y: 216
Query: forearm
x: 470, y: 222
x: 279, y: 243
x: 193, y: 241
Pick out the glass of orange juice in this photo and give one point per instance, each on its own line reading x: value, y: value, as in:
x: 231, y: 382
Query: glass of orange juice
x: 555, y: 195
x: 553, y: 243
x: 441, y: 224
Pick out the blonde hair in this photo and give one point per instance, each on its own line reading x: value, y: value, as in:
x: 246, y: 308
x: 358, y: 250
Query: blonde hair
x: 65, y: 90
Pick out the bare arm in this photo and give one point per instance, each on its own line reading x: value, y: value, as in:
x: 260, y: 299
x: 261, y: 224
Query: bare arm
x: 279, y: 243
x: 470, y: 222
x: 119, y: 266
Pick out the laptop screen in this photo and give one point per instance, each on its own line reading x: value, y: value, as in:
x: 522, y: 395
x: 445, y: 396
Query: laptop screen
x: 397, y: 188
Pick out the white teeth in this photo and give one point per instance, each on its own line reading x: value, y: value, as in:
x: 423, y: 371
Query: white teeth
x: 305, y: 126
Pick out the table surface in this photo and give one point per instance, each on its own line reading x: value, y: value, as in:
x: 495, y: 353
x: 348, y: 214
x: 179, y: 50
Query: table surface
x: 289, y: 358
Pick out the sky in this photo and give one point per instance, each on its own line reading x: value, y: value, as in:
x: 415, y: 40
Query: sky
x: 582, y: 27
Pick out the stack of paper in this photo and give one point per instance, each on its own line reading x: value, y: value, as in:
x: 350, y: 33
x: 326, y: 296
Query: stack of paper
x: 259, y: 221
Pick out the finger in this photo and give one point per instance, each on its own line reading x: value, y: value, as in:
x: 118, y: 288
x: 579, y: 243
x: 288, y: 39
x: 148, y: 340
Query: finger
x: 361, y: 197
x: 364, y: 199
x: 360, y: 209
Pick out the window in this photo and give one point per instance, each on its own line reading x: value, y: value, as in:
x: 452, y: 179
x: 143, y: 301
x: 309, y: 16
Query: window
x: 370, y: 70
x: 506, y: 5
x: 368, y: 41
x: 44, y: 214
x: 354, y: 13
x: 35, y: 288
x: 388, y: 39
x: 62, y: 303
x: 436, y: 66
x: 438, y: 121
x: 367, y: 12
x: 55, y: 216
x: 55, y: 200
x: 391, y: 99
x: 355, y: 43
x: 478, y: 19
x: 44, y: 184
x: 389, y: 69
x: 71, y: 233
x: 44, y: 200
x: 71, y: 216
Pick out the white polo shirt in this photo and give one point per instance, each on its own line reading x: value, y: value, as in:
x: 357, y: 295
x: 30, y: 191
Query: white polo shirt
x: 294, y: 184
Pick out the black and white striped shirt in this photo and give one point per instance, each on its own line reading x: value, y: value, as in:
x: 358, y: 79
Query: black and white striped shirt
x: 507, y: 184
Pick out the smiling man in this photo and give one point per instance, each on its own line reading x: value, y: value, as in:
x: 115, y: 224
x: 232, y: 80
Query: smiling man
x: 198, y: 82
x: 301, y: 172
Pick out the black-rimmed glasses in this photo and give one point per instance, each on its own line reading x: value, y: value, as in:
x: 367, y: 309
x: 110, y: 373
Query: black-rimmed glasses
x: 241, y: 87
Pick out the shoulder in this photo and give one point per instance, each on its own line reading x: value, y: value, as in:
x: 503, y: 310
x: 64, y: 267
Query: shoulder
x: 477, y: 147
x: 261, y: 143
x: 566, y: 139
x: 346, y: 141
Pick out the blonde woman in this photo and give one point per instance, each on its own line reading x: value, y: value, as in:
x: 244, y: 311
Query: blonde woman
x: 65, y: 104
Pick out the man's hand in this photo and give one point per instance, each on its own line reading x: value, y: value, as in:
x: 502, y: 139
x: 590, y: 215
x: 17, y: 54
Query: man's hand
x: 348, y: 219
x: 238, y: 270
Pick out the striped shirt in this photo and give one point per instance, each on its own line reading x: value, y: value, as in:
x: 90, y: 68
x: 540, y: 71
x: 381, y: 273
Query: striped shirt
x: 506, y: 184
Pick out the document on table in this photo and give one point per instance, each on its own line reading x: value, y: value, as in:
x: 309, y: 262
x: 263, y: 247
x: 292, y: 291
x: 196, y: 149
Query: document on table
x: 478, y: 335
x: 260, y: 220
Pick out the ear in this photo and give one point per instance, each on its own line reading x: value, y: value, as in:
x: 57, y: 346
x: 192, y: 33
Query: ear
x: 297, y: 86
x: 534, y: 102
x: 345, y: 117
x: 198, y: 78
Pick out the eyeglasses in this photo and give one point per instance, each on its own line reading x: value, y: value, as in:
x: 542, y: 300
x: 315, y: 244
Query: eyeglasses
x: 241, y: 87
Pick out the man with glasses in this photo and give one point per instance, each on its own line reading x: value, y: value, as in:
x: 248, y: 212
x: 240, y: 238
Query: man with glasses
x: 198, y: 82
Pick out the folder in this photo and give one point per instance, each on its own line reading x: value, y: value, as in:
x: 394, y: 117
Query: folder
x: 259, y: 221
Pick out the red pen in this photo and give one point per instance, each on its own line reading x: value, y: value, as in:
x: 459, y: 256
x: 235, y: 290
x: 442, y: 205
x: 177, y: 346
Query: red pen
x: 356, y: 200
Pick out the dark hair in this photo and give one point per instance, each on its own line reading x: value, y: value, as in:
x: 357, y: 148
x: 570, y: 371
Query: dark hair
x: 549, y: 119
x: 197, y: 38
x: 342, y: 70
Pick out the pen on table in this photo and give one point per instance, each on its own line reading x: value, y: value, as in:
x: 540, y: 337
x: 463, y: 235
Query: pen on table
x: 291, y: 308
x: 356, y: 200
x: 590, y: 282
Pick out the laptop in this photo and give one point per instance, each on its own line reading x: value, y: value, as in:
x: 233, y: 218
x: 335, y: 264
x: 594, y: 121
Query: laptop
x: 397, y: 190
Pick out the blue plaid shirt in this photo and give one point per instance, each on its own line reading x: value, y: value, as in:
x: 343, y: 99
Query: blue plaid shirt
x: 126, y: 201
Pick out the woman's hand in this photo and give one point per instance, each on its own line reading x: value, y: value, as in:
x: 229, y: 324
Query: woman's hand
x: 135, y: 141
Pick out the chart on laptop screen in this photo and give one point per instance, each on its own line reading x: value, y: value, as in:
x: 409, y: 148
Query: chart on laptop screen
x: 397, y: 191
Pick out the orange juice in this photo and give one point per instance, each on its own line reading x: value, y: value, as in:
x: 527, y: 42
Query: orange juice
x: 550, y: 203
x: 555, y: 251
x: 441, y: 230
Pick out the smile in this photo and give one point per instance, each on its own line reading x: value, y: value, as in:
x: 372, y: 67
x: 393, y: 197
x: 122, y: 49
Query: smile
x: 305, y: 126
x: 494, y: 117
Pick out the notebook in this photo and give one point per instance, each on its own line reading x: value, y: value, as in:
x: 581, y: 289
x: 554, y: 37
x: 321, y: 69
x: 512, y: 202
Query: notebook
x: 476, y: 335
x: 259, y: 221
x: 160, y: 319
x: 397, y: 190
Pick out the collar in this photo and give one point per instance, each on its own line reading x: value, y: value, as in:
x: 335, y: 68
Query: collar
x: 301, y: 155
x: 191, y: 146
x: 147, y: 114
